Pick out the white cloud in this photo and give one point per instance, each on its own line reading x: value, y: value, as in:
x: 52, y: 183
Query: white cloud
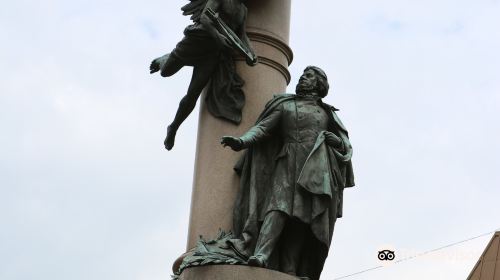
x: 88, y: 192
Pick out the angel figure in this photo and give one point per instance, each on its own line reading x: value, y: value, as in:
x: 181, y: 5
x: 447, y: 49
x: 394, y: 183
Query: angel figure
x: 218, y: 30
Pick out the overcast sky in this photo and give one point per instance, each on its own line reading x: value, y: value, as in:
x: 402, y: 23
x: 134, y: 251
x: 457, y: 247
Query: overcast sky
x: 88, y: 192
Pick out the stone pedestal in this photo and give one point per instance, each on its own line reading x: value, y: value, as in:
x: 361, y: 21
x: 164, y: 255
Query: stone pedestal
x: 233, y: 272
x: 215, y: 183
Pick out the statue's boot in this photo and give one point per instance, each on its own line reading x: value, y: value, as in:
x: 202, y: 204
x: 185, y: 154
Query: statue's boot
x: 269, y: 235
x: 170, y: 139
x: 257, y: 261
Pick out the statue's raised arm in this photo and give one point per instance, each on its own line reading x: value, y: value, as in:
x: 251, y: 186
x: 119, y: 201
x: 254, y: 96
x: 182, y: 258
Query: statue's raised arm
x: 209, y: 44
x: 198, y: 10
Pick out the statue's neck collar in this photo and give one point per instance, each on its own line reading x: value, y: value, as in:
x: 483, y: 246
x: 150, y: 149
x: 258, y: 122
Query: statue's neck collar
x: 309, y: 96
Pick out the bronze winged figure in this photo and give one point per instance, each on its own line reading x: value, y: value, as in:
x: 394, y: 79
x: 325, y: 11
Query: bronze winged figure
x: 217, y: 32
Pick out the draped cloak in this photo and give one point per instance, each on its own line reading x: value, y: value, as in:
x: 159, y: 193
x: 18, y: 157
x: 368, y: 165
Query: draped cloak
x: 324, y: 175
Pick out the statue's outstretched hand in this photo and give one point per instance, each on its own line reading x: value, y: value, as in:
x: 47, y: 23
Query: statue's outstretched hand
x: 234, y: 143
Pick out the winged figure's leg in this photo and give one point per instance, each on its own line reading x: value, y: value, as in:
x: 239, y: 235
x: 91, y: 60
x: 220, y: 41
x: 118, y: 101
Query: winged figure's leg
x: 201, y: 75
x: 167, y: 64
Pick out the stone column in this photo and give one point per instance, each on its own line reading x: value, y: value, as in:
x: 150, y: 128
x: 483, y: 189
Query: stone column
x: 215, y: 183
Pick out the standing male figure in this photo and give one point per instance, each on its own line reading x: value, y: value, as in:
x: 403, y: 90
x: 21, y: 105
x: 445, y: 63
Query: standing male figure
x: 210, y: 53
x: 293, y: 175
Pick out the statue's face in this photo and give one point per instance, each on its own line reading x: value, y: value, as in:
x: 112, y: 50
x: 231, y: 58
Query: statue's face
x: 307, y: 83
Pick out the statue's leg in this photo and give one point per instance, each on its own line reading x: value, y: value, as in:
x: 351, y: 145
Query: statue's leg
x: 171, y: 66
x: 269, y: 235
x: 200, y: 78
x: 167, y: 63
x: 293, y: 242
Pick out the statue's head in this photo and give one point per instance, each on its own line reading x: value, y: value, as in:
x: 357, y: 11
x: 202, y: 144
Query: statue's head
x: 313, y: 81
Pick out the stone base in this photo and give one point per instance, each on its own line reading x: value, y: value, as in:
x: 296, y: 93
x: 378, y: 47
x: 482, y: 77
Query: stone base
x: 233, y: 272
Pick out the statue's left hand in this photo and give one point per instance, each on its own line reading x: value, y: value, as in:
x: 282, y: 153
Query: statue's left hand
x: 332, y: 140
x: 234, y: 143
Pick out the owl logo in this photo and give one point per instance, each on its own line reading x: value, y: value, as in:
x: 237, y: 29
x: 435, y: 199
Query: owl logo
x: 386, y: 255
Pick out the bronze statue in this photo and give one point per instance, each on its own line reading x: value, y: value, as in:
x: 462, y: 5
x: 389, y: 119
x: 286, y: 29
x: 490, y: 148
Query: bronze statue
x: 217, y: 31
x: 293, y: 174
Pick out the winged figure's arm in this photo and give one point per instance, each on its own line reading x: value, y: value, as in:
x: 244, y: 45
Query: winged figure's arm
x: 242, y: 33
x: 207, y: 23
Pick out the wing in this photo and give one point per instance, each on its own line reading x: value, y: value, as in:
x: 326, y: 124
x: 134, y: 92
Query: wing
x: 194, y: 9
